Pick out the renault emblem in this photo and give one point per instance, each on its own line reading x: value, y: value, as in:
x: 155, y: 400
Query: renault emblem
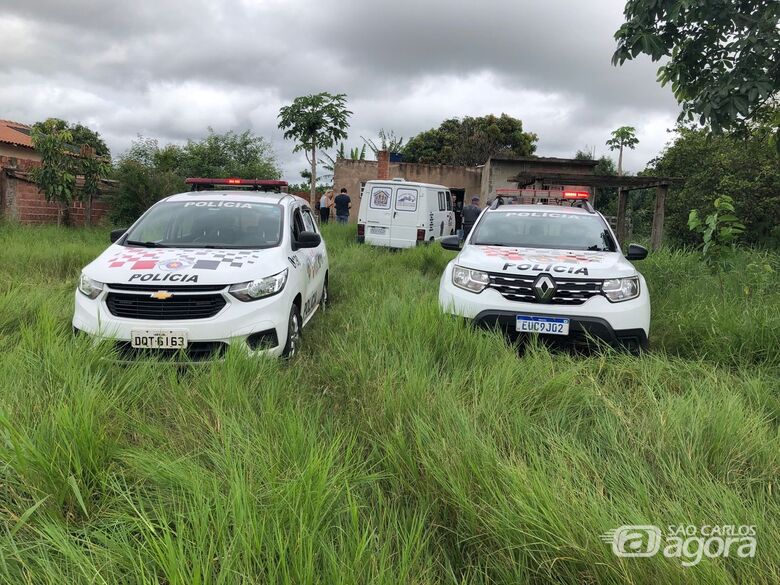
x: 544, y: 288
x: 161, y: 295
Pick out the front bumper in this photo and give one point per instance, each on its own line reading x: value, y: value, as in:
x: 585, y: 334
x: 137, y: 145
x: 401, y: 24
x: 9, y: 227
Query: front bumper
x: 582, y: 330
x: 252, y: 326
x: 624, y: 325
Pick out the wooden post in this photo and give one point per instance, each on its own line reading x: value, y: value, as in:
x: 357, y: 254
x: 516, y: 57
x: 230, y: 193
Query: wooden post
x: 657, y: 232
x: 621, y: 215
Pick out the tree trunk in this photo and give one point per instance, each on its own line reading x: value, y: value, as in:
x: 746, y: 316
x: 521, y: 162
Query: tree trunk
x: 313, y: 194
x: 620, y: 162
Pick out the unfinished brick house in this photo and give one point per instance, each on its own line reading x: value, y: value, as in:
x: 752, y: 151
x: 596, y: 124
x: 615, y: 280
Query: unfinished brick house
x: 20, y: 199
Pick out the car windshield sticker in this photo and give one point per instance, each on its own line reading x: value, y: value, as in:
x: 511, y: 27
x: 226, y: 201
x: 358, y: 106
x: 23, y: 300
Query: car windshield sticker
x: 142, y: 259
x: 380, y: 198
x: 406, y: 199
x: 542, y: 260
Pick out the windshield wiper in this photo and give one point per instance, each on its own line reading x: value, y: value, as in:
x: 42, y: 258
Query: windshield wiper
x: 145, y: 244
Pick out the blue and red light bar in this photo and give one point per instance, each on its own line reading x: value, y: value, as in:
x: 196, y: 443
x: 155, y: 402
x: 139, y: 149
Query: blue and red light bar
x: 257, y: 183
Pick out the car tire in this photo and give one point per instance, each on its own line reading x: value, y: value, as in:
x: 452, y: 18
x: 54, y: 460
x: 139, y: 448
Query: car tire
x: 324, y: 298
x: 294, y: 335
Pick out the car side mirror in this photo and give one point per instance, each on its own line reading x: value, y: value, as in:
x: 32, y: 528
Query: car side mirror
x: 308, y: 240
x: 451, y: 243
x: 116, y: 234
x: 636, y: 252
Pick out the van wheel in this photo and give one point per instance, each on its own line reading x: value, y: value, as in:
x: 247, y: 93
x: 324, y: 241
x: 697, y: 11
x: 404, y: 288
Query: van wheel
x: 293, y: 343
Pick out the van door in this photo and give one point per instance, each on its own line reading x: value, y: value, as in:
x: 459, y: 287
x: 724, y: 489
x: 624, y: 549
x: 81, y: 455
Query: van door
x: 406, y: 211
x: 379, y: 214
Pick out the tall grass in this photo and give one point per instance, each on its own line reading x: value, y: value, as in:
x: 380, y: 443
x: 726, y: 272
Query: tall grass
x: 400, y: 447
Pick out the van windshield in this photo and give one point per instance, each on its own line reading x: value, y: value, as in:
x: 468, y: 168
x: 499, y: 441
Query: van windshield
x: 208, y: 224
x: 544, y: 229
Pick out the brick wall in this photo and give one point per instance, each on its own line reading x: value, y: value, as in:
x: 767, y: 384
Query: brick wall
x: 21, y: 201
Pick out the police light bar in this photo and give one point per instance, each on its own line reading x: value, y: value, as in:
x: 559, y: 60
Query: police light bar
x: 248, y: 182
x: 576, y: 195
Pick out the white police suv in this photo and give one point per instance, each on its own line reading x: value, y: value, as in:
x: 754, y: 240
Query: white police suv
x: 552, y: 270
x: 208, y: 268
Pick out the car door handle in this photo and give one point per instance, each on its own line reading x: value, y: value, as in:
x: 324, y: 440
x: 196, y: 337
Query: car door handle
x: 394, y: 214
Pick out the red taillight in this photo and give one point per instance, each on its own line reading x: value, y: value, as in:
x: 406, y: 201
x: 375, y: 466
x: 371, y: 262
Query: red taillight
x: 576, y: 195
x: 361, y: 229
x: 421, y: 235
x: 234, y: 181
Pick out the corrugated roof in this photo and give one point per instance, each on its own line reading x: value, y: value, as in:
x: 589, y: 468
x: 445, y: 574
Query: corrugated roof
x: 15, y: 133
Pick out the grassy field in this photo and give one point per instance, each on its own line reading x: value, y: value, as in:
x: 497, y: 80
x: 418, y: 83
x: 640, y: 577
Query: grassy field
x: 400, y: 447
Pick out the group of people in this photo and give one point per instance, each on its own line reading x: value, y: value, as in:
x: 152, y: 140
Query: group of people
x: 342, y: 203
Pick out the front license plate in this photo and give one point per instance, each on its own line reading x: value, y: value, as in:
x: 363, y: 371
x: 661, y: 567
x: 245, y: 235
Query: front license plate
x: 379, y: 231
x: 546, y: 325
x: 146, y: 339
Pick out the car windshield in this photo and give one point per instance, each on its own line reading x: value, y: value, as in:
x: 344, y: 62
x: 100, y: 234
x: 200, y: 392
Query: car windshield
x: 208, y: 224
x: 544, y: 229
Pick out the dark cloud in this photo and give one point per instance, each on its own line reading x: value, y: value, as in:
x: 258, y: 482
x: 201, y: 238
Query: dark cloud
x: 170, y: 69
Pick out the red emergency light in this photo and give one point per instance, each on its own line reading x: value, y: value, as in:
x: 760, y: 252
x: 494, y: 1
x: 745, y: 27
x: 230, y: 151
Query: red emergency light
x: 199, y: 183
x: 576, y: 195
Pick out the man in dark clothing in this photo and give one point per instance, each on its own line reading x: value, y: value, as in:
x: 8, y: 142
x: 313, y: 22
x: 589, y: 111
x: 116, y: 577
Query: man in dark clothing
x: 343, y: 205
x: 470, y: 215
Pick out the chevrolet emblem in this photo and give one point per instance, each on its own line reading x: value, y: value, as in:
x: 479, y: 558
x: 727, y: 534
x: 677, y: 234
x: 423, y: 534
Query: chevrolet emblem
x: 161, y: 295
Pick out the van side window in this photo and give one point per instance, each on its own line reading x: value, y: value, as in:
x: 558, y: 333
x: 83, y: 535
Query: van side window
x: 406, y: 199
x: 380, y: 197
x: 442, y: 205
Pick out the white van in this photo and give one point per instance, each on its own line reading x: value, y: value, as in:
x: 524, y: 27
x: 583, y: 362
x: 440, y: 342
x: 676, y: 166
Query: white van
x: 401, y: 214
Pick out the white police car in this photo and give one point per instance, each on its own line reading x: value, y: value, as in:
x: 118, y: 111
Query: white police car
x: 205, y: 269
x: 556, y: 271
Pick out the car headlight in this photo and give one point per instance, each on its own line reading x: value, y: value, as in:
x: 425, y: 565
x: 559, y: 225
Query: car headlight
x: 471, y: 280
x: 88, y: 287
x: 259, y: 288
x: 621, y: 289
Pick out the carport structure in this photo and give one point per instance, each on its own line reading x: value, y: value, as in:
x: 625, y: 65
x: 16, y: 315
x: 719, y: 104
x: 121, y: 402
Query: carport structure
x: 623, y: 184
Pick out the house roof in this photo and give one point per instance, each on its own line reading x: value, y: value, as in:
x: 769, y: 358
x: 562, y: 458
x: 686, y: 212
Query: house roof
x: 15, y: 133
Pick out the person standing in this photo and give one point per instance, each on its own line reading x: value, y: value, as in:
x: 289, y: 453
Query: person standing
x: 470, y: 214
x: 326, y: 202
x: 343, y: 205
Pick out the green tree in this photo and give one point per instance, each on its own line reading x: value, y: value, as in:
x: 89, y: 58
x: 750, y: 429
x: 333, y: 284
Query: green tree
x: 623, y: 137
x: 387, y: 141
x: 68, y: 151
x: 742, y: 167
x: 315, y: 121
x: 723, y: 55
x: 606, y: 197
x: 243, y: 155
x: 56, y: 177
x: 145, y: 175
x: 471, y: 141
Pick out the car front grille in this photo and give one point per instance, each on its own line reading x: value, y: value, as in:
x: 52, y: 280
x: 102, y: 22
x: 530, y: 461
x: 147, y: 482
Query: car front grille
x: 177, y: 307
x: 517, y: 287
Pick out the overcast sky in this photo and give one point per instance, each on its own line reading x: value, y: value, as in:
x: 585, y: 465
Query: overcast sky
x: 168, y: 69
